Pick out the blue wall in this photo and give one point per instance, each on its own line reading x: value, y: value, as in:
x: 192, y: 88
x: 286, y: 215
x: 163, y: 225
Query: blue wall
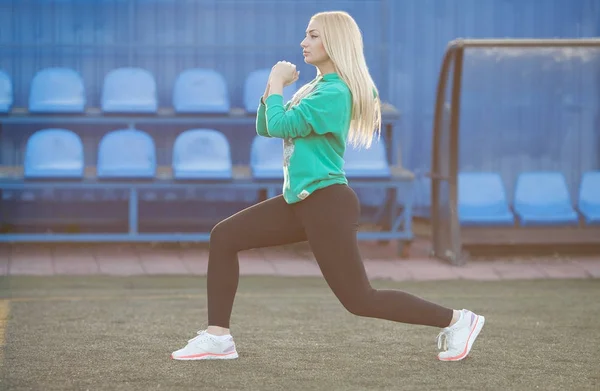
x: 404, y: 43
x: 421, y: 32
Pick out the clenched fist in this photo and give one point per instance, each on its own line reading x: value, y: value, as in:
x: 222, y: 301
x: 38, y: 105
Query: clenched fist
x: 285, y: 72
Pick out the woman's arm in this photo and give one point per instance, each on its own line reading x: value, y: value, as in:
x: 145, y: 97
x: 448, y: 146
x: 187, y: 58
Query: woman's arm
x: 323, y: 111
x: 261, y: 122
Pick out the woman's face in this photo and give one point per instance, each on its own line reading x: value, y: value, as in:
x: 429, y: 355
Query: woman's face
x: 312, y: 45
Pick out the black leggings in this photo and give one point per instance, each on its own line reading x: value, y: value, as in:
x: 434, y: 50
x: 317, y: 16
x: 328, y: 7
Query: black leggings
x: 328, y: 219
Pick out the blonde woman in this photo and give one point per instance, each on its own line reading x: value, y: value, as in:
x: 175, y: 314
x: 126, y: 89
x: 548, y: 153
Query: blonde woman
x: 339, y: 106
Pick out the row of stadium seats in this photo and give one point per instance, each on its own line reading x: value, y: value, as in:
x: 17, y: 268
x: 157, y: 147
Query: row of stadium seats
x: 540, y: 199
x: 198, y: 154
x: 130, y: 197
x: 134, y: 90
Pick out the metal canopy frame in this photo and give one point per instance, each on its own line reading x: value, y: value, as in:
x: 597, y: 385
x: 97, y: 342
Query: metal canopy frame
x: 446, y: 230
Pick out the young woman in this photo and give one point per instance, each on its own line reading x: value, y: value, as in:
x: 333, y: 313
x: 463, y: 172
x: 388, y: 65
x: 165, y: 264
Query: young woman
x: 339, y: 106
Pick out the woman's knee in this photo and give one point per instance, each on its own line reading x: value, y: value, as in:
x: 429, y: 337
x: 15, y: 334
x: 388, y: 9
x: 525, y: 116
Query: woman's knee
x: 359, y: 302
x: 222, y: 234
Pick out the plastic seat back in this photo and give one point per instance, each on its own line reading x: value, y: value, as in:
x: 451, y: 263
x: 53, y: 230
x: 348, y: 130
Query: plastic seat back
x: 367, y: 163
x: 200, y: 91
x: 543, y: 198
x: 6, y: 92
x: 57, y: 90
x: 482, y: 199
x: 202, y: 154
x: 126, y: 153
x: 129, y: 90
x: 266, y: 158
x: 54, y: 153
x: 589, y: 197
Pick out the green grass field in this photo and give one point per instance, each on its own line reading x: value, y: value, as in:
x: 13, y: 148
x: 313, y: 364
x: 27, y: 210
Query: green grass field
x: 105, y: 333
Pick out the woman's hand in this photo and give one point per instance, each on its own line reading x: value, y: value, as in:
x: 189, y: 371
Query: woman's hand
x: 285, y: 73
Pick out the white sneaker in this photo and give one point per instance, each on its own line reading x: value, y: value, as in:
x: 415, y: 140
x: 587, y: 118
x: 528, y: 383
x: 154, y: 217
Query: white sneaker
x: 207, y: 347
x: 457, y: 340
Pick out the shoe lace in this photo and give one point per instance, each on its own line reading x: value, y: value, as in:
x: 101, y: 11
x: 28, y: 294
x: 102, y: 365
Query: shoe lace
x: 197, y: 337
x: 442, y: 339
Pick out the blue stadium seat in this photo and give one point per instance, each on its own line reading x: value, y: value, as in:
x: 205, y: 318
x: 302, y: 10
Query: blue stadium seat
x: 129, y: 90
x: 589, y: 197
x: 482, y: 200
x: 126, y: 153
x: 6, y: 93
x: 54, y: 153
x: 57, y: 90
x: 254, y: 88
x: 202, y: 154
x: 367, y: 163
x: 361, y: 163
x: 200, y: 91
x: 542, y: 198
x: 266, y: 158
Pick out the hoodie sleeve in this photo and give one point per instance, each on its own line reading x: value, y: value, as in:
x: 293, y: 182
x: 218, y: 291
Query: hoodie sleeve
x: 323, y: 111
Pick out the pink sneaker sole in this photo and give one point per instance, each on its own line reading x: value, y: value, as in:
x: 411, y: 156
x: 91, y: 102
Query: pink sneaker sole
x: 207, y: 356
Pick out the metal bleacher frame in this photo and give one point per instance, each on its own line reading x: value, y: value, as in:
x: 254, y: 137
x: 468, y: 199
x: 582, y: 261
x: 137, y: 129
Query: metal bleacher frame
x: 397, y: 221
x: 450, y: 237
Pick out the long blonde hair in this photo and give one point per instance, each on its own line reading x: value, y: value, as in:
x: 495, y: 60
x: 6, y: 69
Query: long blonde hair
x: 342, y: 40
